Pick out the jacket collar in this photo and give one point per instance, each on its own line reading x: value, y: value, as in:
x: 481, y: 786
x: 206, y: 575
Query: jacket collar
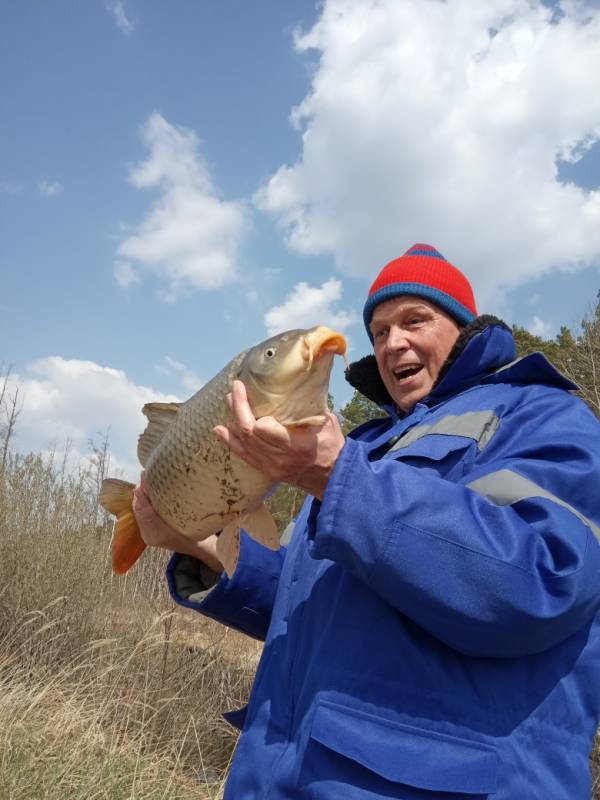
x: 483, y: 353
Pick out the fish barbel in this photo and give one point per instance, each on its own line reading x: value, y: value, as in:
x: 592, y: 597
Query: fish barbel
x: 194, y: 482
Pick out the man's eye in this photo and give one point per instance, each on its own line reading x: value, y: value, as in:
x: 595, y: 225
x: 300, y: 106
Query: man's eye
x: 415, y: 321
x: 379, y: 334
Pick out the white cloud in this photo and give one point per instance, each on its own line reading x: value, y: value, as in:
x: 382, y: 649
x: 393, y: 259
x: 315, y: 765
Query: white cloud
x: 6, y: 187
x: 538, y: 327
x: 189, y: 379
x: 191, y: 238
x: 49, y: 189
x: 442, y: 122
x: 117, y: 9
x: 306, y: 306
x: 125, y: 274
x: 72, y: 400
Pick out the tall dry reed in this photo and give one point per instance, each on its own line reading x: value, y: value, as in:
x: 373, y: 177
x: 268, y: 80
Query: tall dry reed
x: 106, y: 688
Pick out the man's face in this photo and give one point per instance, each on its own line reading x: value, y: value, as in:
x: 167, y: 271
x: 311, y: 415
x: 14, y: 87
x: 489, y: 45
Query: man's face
x: 412, y: 339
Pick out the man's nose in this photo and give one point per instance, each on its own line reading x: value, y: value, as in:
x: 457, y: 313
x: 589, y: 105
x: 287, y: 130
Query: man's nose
x: 396, y: 339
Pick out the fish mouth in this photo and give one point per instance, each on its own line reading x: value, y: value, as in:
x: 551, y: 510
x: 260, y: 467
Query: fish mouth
x: 322, y: 340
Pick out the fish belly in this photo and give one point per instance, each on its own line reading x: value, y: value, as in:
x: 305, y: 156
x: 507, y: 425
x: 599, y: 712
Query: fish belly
x: 203, y: 496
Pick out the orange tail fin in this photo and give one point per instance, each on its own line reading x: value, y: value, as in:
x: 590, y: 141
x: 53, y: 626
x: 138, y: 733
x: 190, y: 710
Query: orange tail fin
x: 117, y: 497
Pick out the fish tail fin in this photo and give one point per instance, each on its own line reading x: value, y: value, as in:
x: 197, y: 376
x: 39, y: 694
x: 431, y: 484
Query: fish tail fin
x: 127, y: 546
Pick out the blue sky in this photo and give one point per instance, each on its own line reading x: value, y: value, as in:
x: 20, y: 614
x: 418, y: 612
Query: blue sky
x: 171, y: 176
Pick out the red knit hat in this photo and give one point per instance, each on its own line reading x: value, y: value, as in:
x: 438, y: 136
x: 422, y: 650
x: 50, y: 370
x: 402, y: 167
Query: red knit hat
x: 424, y: 272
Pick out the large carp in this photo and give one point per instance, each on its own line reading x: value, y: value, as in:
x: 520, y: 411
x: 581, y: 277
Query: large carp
x: 195, y: 483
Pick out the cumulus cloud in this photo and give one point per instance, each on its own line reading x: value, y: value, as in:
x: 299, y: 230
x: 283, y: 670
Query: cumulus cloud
x: 191, y: 237
x: 307, y: 305
x: 188, y: 379
x: 117, y: 9
x: 49, y: 189
x: 444, y: 122
x: 72, y: 400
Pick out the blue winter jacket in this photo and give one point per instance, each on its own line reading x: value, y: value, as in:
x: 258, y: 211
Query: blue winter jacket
x: 431, y: 631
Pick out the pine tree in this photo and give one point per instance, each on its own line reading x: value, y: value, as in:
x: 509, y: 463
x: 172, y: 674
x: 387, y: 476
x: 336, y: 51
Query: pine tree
x: 579, y: 357
x: 360, y: 409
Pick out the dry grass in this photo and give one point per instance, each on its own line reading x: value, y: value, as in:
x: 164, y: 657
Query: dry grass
x: 106, y: 689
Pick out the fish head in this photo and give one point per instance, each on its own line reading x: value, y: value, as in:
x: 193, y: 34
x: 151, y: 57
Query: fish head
x: 287, y: 376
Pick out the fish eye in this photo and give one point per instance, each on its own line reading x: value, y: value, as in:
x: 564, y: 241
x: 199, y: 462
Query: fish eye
x: 270, y: 352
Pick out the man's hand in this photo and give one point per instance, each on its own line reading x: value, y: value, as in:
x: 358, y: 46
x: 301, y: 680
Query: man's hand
x: 157, y: 533
x: 302, y: 456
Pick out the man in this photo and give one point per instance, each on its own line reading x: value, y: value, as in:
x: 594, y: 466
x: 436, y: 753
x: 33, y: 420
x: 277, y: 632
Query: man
x: 430, y: 631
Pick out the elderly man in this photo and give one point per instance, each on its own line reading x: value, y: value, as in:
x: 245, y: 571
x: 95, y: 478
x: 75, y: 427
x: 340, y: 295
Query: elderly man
x: 430, y: 630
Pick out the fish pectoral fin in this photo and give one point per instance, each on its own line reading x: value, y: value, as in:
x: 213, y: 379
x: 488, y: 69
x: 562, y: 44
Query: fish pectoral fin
x: 160, y: 416
x: 228, y: 546
x: 127, y: 545
x: 261, y: 526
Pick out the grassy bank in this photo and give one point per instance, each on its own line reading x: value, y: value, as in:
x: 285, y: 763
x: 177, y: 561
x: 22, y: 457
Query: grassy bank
x: 102, y: 725
x: 106, y: 689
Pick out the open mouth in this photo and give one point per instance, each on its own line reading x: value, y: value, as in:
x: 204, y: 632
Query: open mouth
x: 322, y: 340
x: 408, y: 371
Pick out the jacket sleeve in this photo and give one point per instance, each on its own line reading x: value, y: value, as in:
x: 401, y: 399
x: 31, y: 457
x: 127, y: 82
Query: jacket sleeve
x: 502, y: 564
x: 244, y: 601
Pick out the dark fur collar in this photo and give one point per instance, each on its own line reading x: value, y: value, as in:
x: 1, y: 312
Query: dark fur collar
x: 364, y: 375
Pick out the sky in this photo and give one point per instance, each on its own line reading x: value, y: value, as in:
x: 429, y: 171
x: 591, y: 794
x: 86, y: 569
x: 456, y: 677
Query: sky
x: 178, y: 181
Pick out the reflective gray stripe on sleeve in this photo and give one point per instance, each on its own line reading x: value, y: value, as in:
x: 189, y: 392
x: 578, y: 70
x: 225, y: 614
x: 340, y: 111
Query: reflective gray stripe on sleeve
x: 506, y: 487
x: 477, y: 425
x: 287, y: 534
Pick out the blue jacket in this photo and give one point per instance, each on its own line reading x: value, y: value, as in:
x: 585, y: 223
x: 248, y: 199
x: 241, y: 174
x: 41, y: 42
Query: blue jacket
x: 431, y: 631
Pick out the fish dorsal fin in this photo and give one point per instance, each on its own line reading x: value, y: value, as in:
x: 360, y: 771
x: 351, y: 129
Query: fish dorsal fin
x: 261, y: 526
x: 160, y: 416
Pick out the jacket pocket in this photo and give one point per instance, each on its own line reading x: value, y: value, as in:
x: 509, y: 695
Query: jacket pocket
x: 446, y: 456
x: 378, y: 757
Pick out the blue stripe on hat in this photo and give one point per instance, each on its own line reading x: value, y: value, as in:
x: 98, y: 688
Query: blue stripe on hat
x: 451, y: 306
x: 432, y: 253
